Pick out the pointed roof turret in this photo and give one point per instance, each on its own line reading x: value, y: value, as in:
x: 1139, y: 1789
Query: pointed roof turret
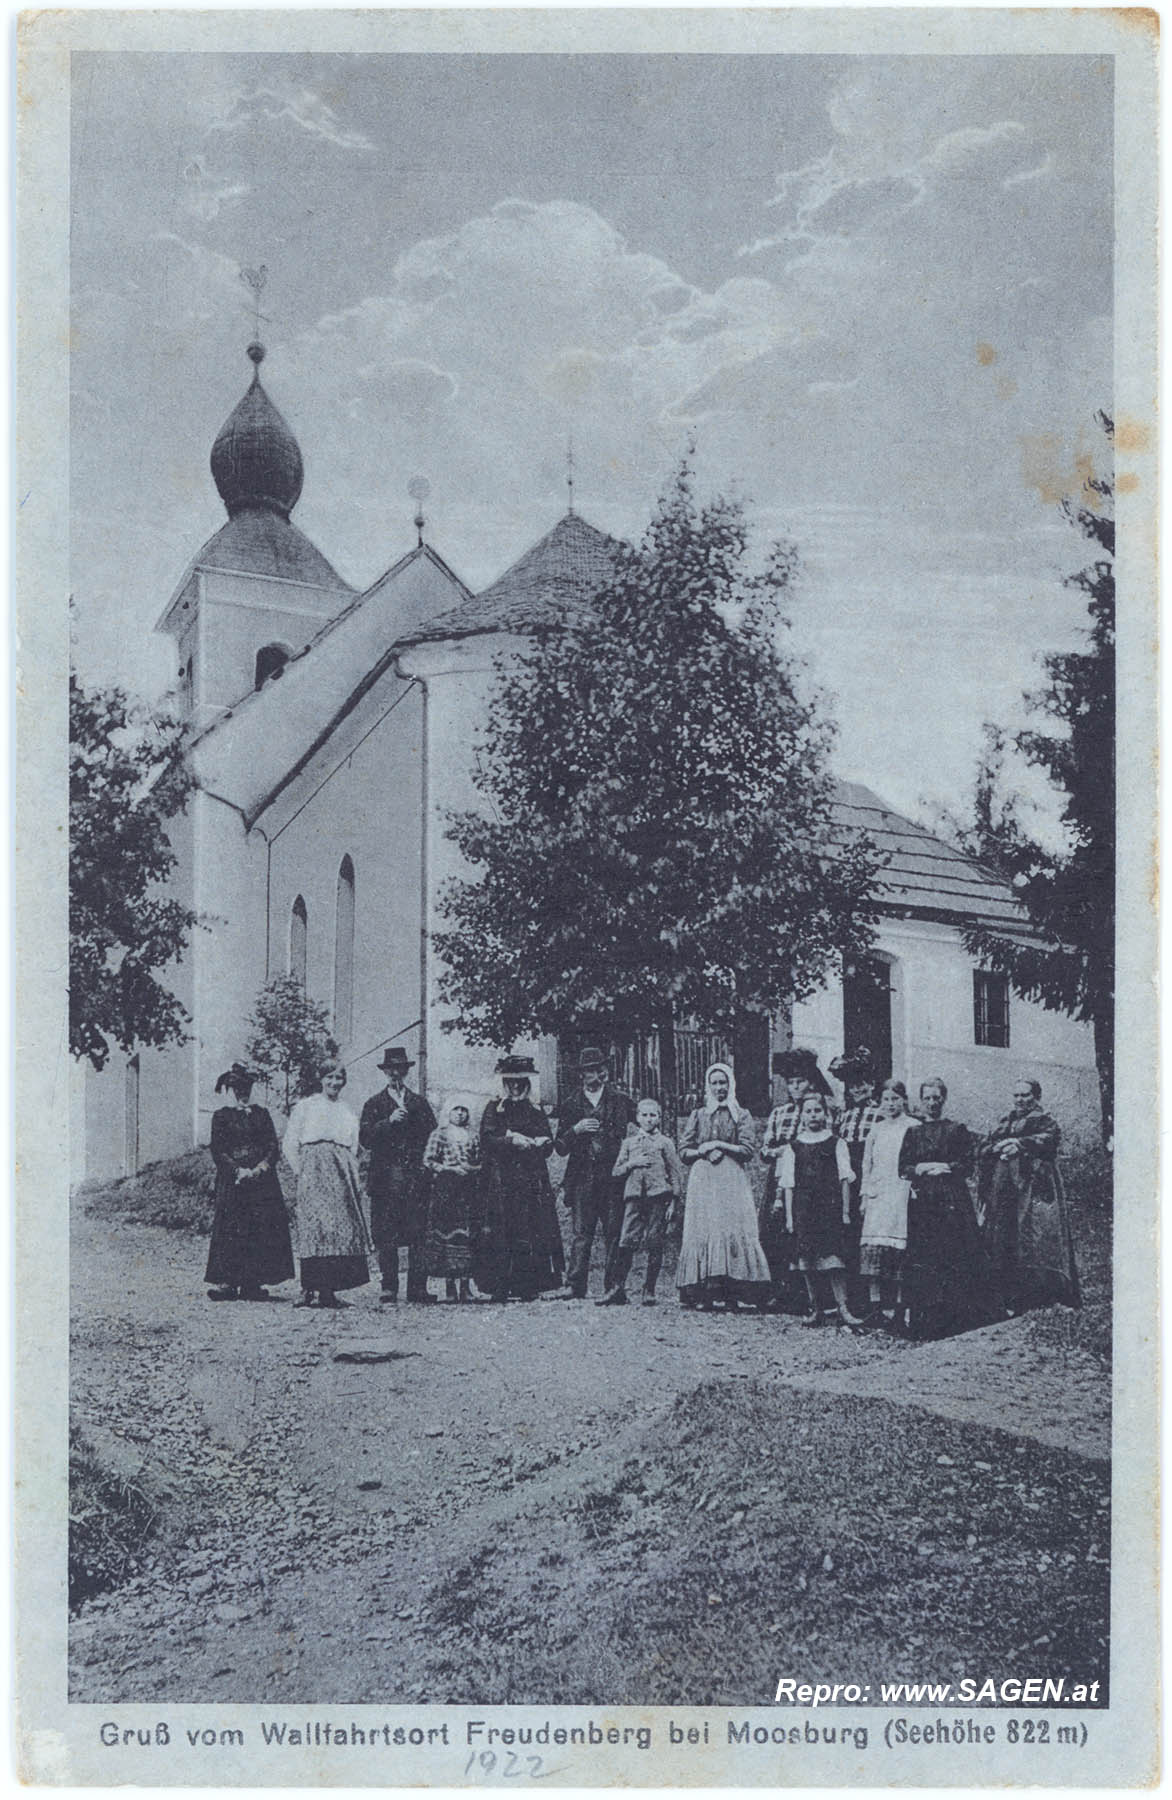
x: 554, y: 580
x: 256, y: 460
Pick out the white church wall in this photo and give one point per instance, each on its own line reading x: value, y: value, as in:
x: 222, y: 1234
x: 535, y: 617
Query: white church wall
x: 459, y: 676
x: 932, y: 1034
x: 238, y: 614
x: 361, y: 798
x: 228, y: 957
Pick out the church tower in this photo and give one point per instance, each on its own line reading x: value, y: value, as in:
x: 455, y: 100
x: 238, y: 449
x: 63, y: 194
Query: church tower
x: 259, y: 591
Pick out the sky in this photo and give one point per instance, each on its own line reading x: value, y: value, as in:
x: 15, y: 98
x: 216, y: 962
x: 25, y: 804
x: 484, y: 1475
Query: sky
x: 875, y: 292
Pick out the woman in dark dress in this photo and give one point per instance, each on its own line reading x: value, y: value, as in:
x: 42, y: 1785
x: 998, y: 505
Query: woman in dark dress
x: 946, y: 1282
x: 250, y: 1231
x: 519, y: 1250
x: 1026, y: 1227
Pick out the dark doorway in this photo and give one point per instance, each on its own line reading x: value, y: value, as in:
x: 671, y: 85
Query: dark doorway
x: 866, y: 1010
x: 751, y: 1063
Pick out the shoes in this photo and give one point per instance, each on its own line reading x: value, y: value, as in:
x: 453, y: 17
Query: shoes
x: 224, y: 1293
x: 331, y: 1303
x: 307, y: 1298
x: 387, y: 1298
x: 563, y: 1293
x: 615, y: 1297
x: 813, y: 1318
x: 256, y: 1293
x: 647, y: 1300
x: 423, y: 1300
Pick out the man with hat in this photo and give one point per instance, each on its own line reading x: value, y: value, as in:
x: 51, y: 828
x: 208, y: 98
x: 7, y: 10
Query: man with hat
x: 394, y: 1129
x: 591, y: 1127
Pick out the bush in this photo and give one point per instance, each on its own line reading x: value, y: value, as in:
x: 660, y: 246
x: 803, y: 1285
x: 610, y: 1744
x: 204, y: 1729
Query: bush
x: 177, y: 1194
x: 111, y: 1520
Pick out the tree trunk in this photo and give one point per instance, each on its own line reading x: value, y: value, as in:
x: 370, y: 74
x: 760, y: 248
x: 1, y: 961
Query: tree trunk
x: 1104, y: 1029
x: 669, y: 1072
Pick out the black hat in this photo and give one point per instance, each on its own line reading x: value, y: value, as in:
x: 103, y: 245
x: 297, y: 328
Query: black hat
x: 516, y: 1065
x: 853, y: 1066
x: 790, y: 1064
x: 592, y: 1059
x: 396, y: 1060
x: 238, y: 1076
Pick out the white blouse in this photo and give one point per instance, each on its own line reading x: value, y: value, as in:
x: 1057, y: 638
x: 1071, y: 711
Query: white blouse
x: 785, y: 1162
x: 318, y: 1120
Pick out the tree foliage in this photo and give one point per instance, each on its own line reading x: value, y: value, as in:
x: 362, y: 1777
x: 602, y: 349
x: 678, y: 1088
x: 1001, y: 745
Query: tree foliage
x: 290, y: 1039
x: 127, y: 779
x: 1068, y: 892
x: 657, y: 840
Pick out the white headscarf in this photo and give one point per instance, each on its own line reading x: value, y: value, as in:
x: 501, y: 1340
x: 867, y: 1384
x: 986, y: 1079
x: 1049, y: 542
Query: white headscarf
x: 732, y: 1103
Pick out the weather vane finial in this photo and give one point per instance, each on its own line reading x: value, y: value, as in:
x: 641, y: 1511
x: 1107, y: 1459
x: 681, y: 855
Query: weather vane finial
x: 256, y: 280
x: 570, y: 468
x: 419, y: 487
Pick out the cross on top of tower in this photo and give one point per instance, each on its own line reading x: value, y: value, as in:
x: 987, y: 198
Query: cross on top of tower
x: 570, y: 469
x: 256, y: 280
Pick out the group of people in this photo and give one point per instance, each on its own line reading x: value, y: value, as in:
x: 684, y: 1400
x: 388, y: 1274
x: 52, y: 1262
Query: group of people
x: 866, y: 1214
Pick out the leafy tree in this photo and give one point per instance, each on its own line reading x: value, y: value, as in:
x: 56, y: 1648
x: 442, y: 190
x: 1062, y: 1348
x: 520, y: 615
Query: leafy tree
x: 657, y: 840
x: 290, y: 1038
x: 127, y: 779
x: 1068, y: 892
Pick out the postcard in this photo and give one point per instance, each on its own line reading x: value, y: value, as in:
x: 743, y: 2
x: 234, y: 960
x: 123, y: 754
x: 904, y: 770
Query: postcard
x: 585, y: 832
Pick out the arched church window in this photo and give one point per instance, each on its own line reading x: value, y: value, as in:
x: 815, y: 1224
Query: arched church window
x: 270, y: 661
x: 298, y: 940
x: 344, y: 953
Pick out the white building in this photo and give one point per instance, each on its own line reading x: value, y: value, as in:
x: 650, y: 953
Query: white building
x: 332, y: 733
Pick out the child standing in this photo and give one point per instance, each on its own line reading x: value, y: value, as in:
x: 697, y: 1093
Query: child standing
x: 654, y: 1180
x: 450, y: 1158
x: 814, y: 1174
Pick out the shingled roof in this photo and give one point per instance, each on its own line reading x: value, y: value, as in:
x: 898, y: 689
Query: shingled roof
x: 542, y: 589
x: 262, y: 542
x: 924, y: 876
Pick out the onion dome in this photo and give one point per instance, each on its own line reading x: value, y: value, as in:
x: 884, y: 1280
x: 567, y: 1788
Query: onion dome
x: 256, y: 461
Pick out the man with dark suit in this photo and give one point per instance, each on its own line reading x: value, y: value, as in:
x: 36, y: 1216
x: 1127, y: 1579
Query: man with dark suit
x: 591, y: 1126
x: 394, y: 1129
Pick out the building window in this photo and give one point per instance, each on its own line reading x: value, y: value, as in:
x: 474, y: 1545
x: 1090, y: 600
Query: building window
x: 991, y: 1009
x: 298, y: 940
x: 344, y: 954
x: 270, y: 662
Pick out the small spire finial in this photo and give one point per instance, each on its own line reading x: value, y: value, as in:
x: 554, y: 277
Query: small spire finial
x: 570, y: 468
x: 255, y: 279
x: 419, y: 487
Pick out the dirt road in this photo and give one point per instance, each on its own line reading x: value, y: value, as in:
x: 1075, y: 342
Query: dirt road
x: 344, y: 1530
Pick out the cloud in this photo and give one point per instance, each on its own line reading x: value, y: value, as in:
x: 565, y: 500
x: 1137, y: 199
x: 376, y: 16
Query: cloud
x: 301, y: 107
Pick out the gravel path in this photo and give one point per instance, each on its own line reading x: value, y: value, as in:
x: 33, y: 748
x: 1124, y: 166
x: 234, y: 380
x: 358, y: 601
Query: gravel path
x: 315, y: 1509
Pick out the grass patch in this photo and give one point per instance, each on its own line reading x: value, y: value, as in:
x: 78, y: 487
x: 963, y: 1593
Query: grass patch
x: 177, y: 1194
x: 112, y: 1519
x: 757, y: 1531
x: 1088, y: 1178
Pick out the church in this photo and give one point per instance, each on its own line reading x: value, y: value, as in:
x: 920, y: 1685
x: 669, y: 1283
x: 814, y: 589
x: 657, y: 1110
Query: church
x: 331, y: 732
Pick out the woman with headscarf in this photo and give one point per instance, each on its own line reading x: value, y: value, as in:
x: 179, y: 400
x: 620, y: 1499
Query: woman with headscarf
x: 721, y: 1258
x: 250, y: 1231
x: 333, y: 1234
x: 946, y: 1283
x: 519, y: 1253
x: 1024, y: 1205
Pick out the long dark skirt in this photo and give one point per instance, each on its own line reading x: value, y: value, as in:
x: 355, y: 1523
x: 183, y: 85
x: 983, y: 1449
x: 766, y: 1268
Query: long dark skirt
x: 250, y: 1244
x: 946, y: 1276
x: 332, y: 1274
x: 518, y: 1249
